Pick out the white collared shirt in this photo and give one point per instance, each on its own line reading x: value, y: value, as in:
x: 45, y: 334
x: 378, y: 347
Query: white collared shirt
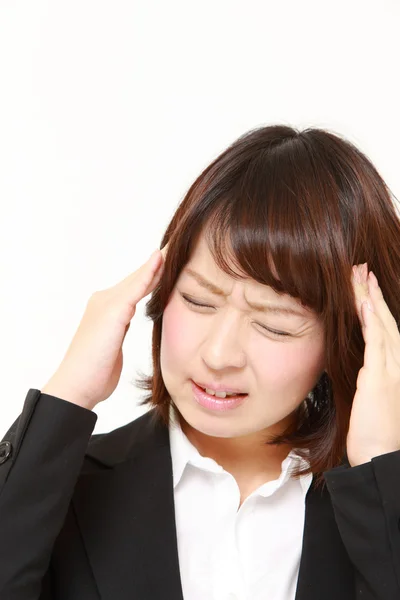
x: 228, y: 554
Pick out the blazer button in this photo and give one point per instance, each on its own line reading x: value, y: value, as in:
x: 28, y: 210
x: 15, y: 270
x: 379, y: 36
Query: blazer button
x: 5, y: 451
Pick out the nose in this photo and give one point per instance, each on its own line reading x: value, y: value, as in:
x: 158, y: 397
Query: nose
x: 223, y: 347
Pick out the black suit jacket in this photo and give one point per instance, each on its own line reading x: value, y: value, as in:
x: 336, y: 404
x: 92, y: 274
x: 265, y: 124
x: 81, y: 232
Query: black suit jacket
x: 84, y: 517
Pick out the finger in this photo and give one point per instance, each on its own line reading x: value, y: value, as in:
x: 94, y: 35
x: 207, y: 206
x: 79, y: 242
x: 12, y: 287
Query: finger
x: 147, y: 269
x: 361, y: 291
x: 381, y: 308
x: 165, y: 250
x: 138, y: 284
x: 376, y: 340
x: 372, y: 326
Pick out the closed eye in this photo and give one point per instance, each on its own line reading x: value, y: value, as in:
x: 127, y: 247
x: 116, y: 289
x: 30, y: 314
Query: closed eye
x: 198, y: 304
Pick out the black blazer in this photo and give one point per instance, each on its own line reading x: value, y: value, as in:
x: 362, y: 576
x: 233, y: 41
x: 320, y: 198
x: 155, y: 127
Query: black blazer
x: 90, y: 517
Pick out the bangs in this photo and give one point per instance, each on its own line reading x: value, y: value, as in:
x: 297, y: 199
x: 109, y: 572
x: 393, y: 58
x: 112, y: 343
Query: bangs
x: 265, y: 229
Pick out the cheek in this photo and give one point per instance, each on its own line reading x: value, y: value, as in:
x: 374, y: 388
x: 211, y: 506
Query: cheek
x: 290, y: 364
x: 175, y: 338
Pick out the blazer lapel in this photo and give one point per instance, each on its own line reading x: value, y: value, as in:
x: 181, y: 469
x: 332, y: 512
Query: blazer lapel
x: 126, y: 514
x: 125, y: 510
x: 325, y: 568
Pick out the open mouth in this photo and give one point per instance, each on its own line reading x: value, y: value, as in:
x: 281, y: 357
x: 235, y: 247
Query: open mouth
x: 217, y: 403
x: 227, y: 395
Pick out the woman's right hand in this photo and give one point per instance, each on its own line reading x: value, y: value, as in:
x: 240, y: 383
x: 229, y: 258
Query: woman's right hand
x: 91, y: 368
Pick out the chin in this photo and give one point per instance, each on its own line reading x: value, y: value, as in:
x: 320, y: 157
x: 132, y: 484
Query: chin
x: 208, y: 424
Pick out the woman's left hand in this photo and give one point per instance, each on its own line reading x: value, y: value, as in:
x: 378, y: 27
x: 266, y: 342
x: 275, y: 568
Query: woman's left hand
x: 374, y: 427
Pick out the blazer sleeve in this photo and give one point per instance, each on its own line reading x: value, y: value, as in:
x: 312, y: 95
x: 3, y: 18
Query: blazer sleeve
x: 40, y: 459
x: 366, y: 504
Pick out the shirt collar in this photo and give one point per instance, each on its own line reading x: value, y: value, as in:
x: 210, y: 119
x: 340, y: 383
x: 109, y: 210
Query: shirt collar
x: 183, y: 452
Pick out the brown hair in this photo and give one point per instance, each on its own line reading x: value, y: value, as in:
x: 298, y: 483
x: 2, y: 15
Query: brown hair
x: 314, y: 204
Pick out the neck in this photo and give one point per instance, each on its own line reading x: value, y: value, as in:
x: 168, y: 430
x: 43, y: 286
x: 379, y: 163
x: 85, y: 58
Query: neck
x: 244, y: 456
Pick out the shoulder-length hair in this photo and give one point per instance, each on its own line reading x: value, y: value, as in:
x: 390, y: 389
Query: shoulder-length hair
x: 311, y: 205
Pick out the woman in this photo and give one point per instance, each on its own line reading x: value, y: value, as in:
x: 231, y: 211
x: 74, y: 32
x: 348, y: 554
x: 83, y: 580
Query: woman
x: 288, y: 487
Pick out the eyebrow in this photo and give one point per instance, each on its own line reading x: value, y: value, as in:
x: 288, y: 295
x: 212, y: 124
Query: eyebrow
x: 275, y: 309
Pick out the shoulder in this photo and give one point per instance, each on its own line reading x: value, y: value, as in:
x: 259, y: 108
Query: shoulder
x: 125, y: 442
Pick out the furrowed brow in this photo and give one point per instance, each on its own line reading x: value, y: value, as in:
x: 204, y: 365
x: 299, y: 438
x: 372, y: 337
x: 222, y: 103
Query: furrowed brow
x: 270, y: 307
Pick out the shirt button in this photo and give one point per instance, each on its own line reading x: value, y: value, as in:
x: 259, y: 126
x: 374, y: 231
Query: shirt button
x: 5, y: 451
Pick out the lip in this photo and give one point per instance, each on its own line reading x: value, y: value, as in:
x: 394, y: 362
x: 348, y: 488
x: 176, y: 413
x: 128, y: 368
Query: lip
x: 219, y: 387
x: 216, y: 404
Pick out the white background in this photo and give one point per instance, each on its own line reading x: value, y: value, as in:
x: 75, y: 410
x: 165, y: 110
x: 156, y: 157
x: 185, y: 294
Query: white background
x: 109, y: 111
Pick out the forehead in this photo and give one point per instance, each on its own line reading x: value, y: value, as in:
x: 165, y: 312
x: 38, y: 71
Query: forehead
x: 202, y: 257
x: 202, y: 270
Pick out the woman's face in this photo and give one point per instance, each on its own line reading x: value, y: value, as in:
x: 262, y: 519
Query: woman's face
x: 226, y: 343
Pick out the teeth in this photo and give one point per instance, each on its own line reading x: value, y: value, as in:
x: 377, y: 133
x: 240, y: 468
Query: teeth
x: 219, y: 394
